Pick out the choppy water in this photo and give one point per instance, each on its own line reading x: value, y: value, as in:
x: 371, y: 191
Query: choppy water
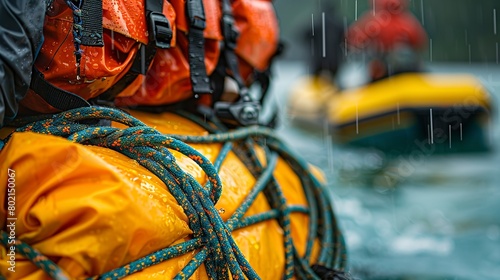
x: 436, y: 218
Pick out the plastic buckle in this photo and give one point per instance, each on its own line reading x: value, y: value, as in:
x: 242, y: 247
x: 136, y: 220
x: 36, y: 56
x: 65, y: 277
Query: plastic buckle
x: 198, y: 23
x: 160, y: 30
x: 196, y: 14
x: 244, y: 113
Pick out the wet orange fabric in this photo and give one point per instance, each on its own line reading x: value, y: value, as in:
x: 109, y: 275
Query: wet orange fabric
x: 168, y: 80
x: 91, y: 209
x: 259, y: 31
x: 125, y: 27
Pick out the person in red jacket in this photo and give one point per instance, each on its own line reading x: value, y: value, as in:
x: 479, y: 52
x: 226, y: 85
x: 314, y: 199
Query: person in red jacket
x: 387, y: 29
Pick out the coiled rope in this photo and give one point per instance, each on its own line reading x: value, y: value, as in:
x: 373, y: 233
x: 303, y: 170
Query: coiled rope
x: 211, y: 235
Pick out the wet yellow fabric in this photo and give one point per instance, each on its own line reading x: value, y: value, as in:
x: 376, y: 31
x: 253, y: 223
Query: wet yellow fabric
x: 91, y: 209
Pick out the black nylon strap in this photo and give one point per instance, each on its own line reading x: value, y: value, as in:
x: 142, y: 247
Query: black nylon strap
x: 198, y: 72
x: 230, y: 39
x: 196, y: 47
x: 92, y: 23
x: 232, y: 66
x: 154, y: 5
x: 56, y: 97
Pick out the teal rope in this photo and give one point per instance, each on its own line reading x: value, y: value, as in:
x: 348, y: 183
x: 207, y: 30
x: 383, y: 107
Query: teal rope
x: 259, y: 186
x: 38, y: 259
x: 330, y: 256
x: 212, y: 236
x: 277, y: 201
x: 152, y: 259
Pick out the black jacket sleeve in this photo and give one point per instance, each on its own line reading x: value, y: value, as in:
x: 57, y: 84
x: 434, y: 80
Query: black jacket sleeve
x: 21, y: 26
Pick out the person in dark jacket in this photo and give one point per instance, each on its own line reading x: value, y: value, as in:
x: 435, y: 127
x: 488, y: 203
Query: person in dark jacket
x: 21, y: 25
x: 327, y: 55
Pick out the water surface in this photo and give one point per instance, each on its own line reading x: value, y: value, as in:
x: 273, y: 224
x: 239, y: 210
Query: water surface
x: 435, y: 218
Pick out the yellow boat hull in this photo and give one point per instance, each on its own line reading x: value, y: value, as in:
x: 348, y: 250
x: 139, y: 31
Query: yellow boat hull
x: 449, y: 111
x: 306, y: 103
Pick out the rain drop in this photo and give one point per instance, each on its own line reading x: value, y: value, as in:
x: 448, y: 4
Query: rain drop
x: 494, y: 21
x: 422, y: 10
x: 430, y: 49
x: 323, y: 33
x: 356, y: 11
x: 312, y: 24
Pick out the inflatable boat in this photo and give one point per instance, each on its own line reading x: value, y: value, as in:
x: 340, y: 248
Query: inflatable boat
x: 307, y: 100
x: 440, y: 113
x: 434, y: 113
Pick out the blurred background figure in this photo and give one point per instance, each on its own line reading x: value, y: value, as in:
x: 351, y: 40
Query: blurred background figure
x: 389, y: 37
x: 326, y: 38
x: 323, y: 36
